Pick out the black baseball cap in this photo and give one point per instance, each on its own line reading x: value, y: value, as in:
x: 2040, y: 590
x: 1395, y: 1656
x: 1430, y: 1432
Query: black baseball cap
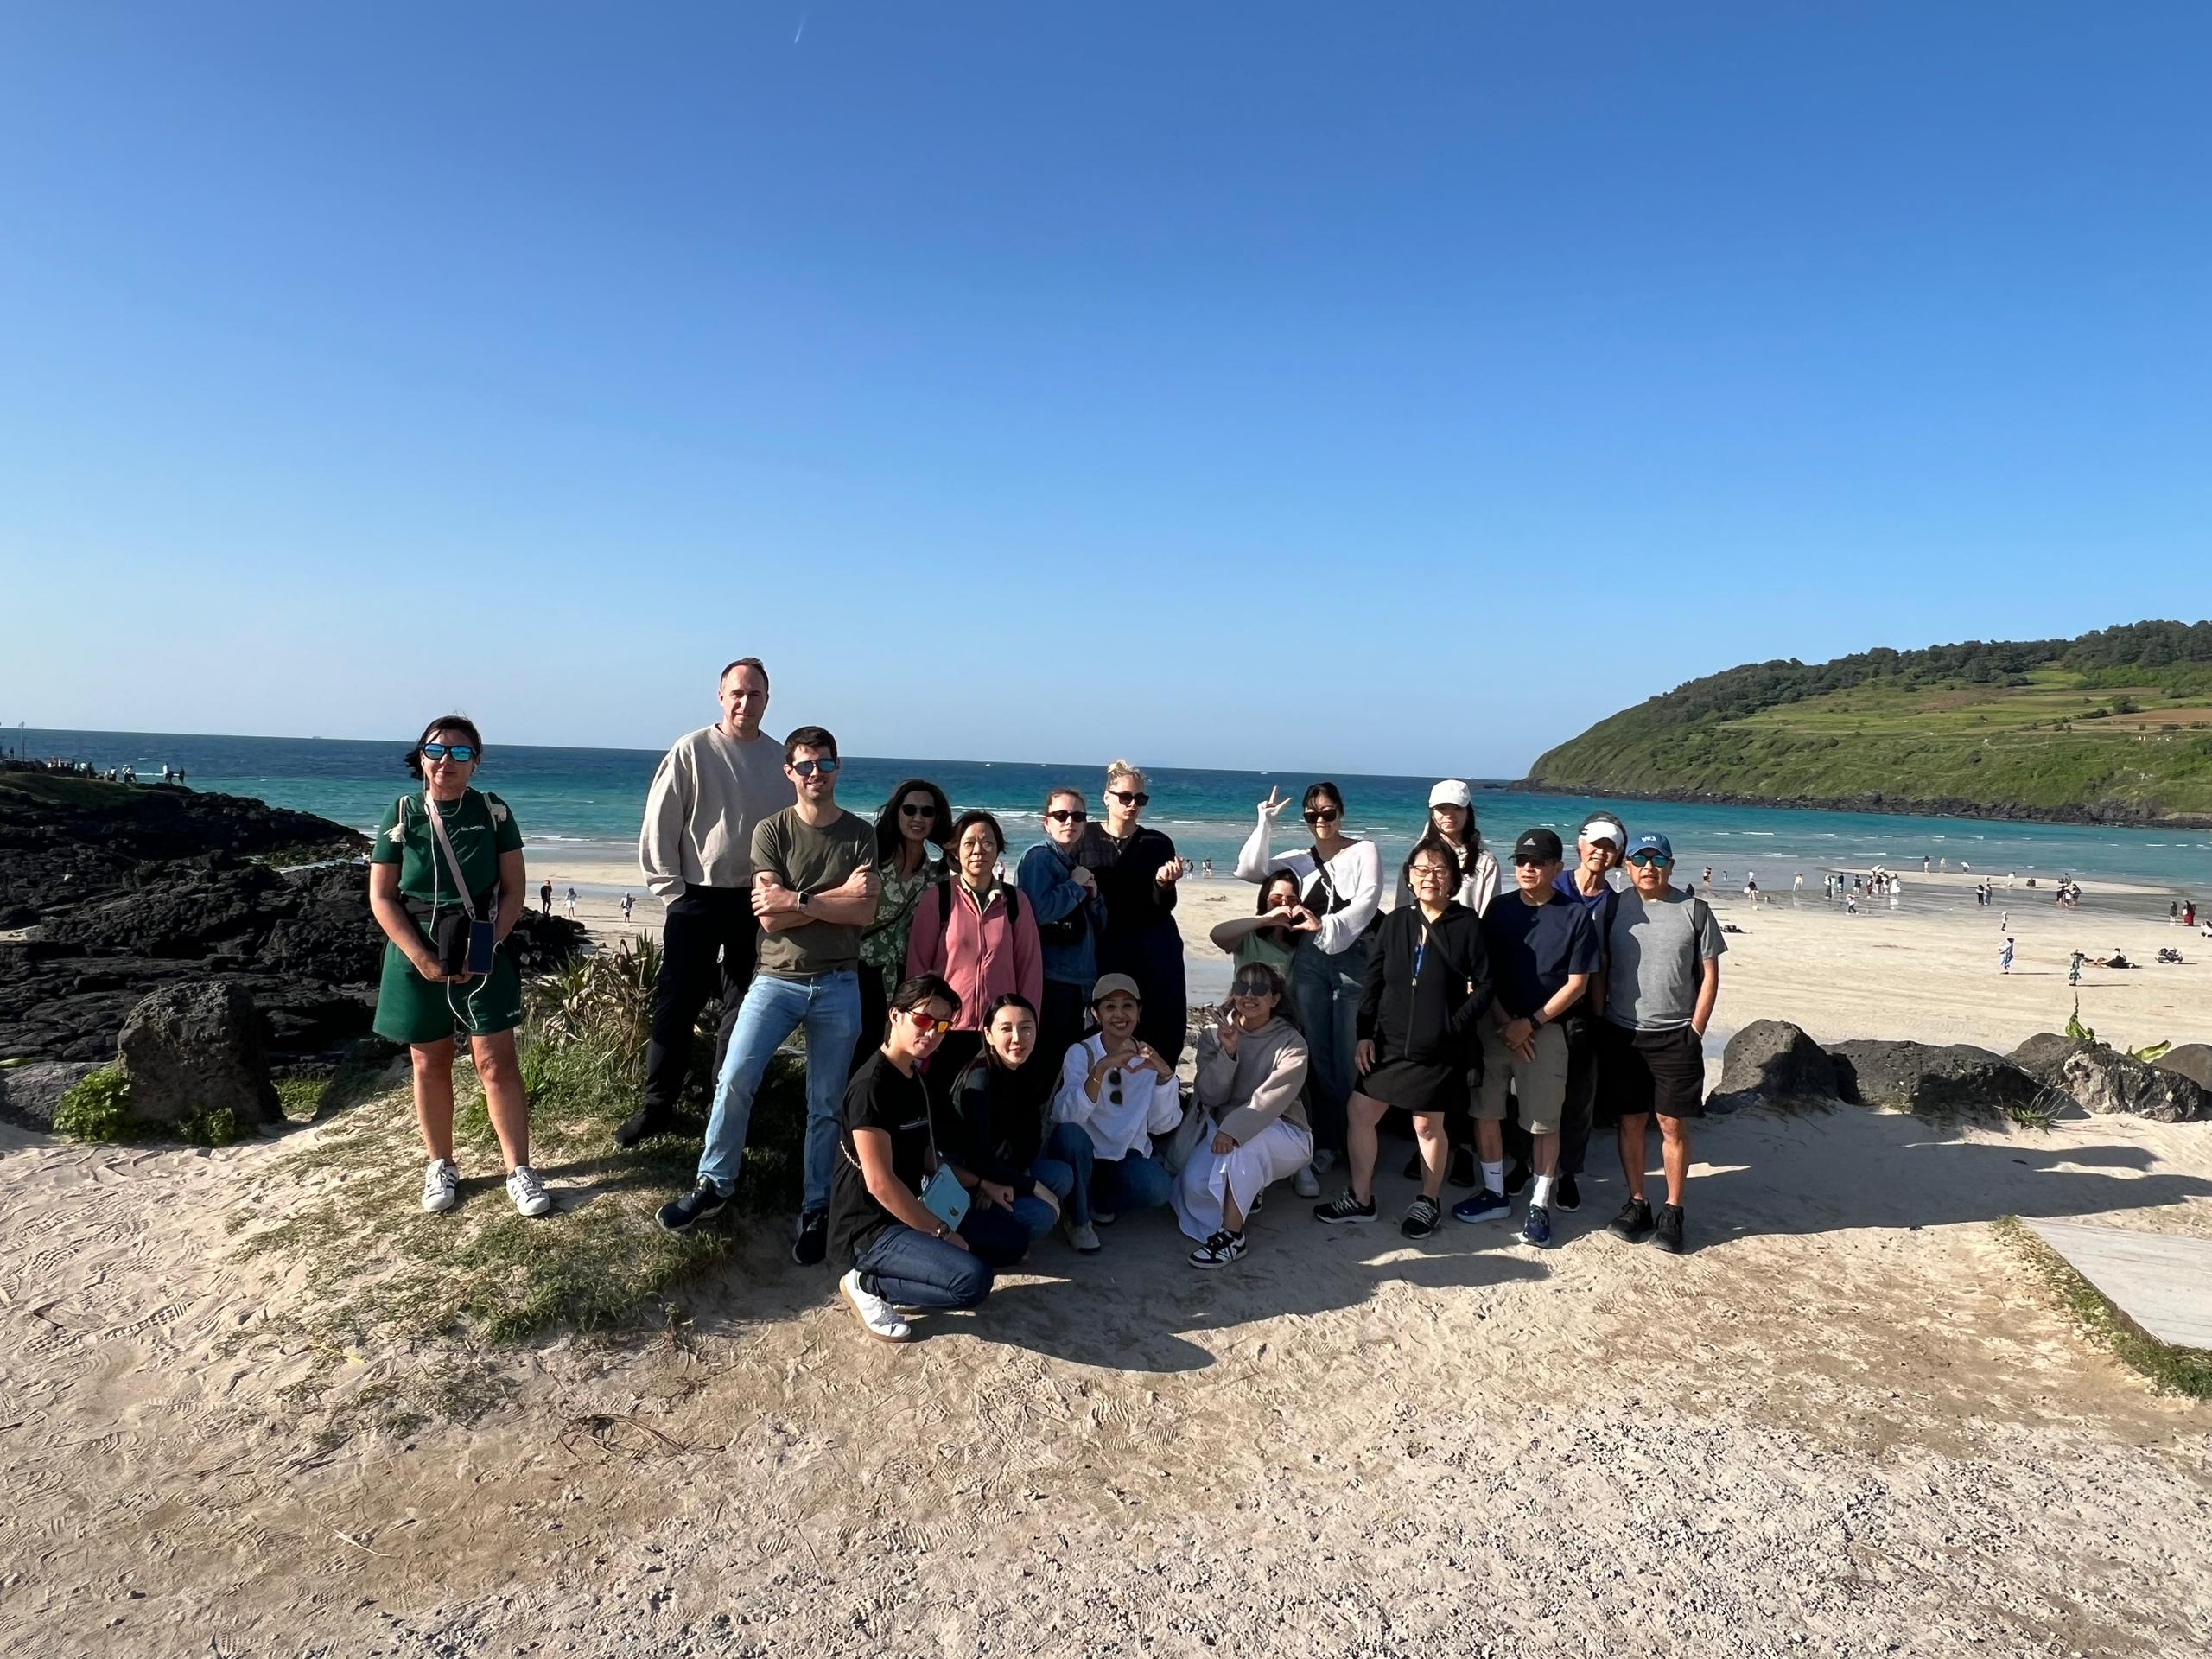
x: 1542, y: 845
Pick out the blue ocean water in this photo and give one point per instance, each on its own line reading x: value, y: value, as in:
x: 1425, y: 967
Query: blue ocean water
x: 596, y: 796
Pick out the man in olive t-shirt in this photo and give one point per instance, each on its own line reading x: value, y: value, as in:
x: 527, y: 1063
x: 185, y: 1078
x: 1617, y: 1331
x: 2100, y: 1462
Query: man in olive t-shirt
x: 814, y: 888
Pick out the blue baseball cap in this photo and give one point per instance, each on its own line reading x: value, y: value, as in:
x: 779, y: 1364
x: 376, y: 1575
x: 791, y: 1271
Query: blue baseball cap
x: 1652, y: 841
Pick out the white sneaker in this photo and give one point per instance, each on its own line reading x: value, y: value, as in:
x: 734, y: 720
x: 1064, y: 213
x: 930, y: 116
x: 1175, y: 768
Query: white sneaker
x: 1306, y: 1183
x: 877, y: 1317
x: 1084, y: 1237
x: 528, y: 1191
x: 441, y: 1186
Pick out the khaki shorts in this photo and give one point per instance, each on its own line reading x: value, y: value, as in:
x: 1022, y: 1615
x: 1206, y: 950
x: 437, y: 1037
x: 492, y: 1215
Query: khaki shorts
x: 1539, y: 1084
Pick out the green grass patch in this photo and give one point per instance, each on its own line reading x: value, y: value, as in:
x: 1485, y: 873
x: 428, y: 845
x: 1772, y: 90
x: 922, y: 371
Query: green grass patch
x: 2185, y: 1371
x: 97, y: 1108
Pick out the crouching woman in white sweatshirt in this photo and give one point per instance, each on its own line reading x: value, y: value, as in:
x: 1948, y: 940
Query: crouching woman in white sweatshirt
x: 1116, y: 1094
x: 1252, y: 1089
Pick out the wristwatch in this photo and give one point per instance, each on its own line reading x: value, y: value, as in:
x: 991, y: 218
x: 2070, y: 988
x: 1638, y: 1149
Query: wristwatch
x: 802, y: 901
x: 1537, y: 1021
x: 940, y: 1231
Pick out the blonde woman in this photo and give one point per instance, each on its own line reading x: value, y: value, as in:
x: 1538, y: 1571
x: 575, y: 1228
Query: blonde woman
x: 1136, y: 870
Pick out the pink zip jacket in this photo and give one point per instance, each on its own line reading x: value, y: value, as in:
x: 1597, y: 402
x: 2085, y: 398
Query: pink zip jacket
x: 978, y: 952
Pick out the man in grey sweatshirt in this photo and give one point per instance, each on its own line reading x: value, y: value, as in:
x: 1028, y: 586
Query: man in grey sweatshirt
x: 695, y: 851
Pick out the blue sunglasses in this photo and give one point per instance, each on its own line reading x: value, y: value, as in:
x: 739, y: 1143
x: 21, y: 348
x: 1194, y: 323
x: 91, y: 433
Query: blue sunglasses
x: 461, y: 751
x: 807, y: 768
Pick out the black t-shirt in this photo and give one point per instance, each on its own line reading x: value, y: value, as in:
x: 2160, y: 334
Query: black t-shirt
x: 1534, y: 948
x: 880, y: 1096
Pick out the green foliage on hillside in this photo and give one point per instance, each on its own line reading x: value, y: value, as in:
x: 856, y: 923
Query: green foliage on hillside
x: 2118, y: 722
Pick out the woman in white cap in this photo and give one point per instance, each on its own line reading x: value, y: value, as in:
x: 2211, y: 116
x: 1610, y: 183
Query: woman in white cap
x: 1116, y: 1092
x: 1340, y: 887
x: 1451, y: 817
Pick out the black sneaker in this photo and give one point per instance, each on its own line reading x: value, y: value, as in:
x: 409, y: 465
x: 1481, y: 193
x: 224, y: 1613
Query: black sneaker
x: 1464, y: 1172
x: 1667, y: 1231
x: 813, y: 1241
x: 644, y: 1122
x: 1421, y: 1216
x: 1218, y: 1251
x: 1344, y: 1207
x: 1634, y: 1222
x: 1515, y: 1179
x: 1566, y: 1195
x: 701, y: 1203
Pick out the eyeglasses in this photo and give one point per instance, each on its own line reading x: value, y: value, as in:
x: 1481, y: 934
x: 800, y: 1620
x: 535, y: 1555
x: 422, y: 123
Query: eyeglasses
x: 826, y: 766
x: 1140, y: 799
x: 906, y: 809
x: 924, y: 1022
x: 1066, y: 815
x: 459, y: 752
x: 1252, y: 988
x: 1643, y: 860
x: 1323, y: 815
x: 1431, y: 873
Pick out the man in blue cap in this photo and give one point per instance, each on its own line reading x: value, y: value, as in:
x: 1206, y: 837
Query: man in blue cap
x: 1662, y: 978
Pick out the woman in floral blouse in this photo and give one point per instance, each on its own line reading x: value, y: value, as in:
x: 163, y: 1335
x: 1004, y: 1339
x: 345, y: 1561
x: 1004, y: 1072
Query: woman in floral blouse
x: 910, y: 841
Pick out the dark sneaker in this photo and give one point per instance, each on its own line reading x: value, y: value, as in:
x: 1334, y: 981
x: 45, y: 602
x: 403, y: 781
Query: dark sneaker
x: 1223, y: 1248
x: 1567, y: 1195
x: 1634, y: 1222
x: 645, y: 1121
x: 1344, y: 1207
x: 1515, y: 1179
x: 1464, y: 1173
x: 1536, y: 1226
x: 1421, y: 1216
x: 813, y: 1241
x: 1483, y: 1206
x: 701, y: 1203
x: 1667, y: 1231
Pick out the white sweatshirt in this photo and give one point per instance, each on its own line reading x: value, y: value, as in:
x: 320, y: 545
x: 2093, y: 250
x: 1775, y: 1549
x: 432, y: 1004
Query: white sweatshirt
x: 1151, y: 1104
x: 708, y: 793
x: 1355, y: 873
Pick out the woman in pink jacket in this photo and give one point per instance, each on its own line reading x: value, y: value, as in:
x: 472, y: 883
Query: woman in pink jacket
x: 974, y: 930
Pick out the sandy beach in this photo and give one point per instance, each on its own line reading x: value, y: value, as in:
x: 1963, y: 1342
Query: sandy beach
x: 1851, y: 1421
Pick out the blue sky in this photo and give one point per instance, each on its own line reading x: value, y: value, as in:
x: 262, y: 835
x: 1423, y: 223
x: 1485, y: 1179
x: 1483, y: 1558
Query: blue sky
x: 1389, y: 388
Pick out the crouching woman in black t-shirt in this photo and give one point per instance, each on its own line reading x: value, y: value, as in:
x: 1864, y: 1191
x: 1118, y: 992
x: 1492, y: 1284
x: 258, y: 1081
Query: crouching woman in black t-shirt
x: 902, y: 1254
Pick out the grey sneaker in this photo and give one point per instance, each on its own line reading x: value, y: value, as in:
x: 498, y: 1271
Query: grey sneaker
x: 1083, y: 1236
x: 441, y: 1185
x: 1306, y: 1183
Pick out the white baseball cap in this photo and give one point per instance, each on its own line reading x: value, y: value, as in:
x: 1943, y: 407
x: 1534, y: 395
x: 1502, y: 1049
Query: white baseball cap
x: 1604, y: 827
x: 1451, y: 792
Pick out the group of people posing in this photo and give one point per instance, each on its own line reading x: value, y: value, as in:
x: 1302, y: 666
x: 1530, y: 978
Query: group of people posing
x: 988, y: 1060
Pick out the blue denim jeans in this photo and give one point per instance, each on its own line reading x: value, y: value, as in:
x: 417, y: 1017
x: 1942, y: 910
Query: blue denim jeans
x: 1035, y: 1214
x: 828, y: 1007
x: 912, y: 1269
x: 1325, y: 990
x: 1136, y: 1182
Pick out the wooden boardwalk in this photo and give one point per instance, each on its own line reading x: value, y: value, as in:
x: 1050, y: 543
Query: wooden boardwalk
x: 2161, y: 1282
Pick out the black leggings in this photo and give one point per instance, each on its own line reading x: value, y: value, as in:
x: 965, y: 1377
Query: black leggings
x: 709, y: 945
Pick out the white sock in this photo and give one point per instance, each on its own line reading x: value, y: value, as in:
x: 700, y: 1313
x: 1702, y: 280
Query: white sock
x: 1494, y: 1177
x: 1541, y: 1197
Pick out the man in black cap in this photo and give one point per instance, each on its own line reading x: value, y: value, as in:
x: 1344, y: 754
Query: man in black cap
x: 1543, y: 951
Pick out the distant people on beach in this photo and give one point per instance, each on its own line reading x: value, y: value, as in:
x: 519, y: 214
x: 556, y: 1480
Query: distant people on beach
x: 711, y: 791
x: 1062, y: 895
x: 2074, y: 969
x: 446, y: 884
x: 1340, y: 891
x: 569, y: 905
x: 1252, y: 1129
x: 628, y: 900
x: 1136, y: 870
x: 2004, y: 956
x: 1662, y: 981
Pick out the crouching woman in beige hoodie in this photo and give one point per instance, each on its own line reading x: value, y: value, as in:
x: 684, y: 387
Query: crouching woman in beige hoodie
x: 1252, y: 1089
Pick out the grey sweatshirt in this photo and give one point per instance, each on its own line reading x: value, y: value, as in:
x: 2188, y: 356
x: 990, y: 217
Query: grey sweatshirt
x: 708, y: 794
x: 1264, y: 1082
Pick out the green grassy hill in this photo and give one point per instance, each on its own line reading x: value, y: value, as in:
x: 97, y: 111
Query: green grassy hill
x: 2114, y: 726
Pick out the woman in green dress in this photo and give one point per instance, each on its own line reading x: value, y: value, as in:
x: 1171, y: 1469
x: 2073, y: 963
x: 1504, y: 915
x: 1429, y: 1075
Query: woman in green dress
x: 910, y: 843
x: 446, y: 859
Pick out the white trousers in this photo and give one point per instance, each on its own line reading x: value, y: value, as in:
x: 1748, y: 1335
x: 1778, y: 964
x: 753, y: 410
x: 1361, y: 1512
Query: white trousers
x: 1279, y: 1150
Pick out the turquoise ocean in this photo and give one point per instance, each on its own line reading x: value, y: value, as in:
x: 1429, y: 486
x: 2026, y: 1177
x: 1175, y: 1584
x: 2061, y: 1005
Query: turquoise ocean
x: 595, y: 797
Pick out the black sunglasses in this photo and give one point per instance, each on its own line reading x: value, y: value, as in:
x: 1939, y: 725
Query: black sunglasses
x: 908, y: 809
x: 826, y: 766
x: 1068, y: 815
x: 1322, y: 814
x: 1113, y: 1087
x: 1127, y: 800
x: 1252, y: 988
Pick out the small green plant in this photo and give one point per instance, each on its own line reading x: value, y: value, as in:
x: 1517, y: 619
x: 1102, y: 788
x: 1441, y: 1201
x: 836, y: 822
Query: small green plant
x: 216, y: 1129
x: 2081, y: 1034
x: 96, y: 1109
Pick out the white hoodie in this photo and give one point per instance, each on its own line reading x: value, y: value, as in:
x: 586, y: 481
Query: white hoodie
x: 1355, y: 873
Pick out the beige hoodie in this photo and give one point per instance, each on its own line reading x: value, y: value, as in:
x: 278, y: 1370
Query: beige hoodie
x: 1265, y: 1080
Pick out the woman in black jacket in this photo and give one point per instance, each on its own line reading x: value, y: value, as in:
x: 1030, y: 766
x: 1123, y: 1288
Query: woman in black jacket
x: 1003, y: 1099
x: 1427, y: 983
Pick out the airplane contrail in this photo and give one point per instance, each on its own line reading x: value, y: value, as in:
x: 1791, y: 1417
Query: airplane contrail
x: 803, y: 16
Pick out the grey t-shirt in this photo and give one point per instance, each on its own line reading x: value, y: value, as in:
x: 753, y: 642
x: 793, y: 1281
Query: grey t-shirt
x: 808, y: 859
x: 1655, y: 955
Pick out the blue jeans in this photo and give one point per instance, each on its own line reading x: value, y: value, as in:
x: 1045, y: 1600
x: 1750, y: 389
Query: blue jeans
x: 912, y: 1269
x: 1136, y: 1182
x: 1325, y: 990
x: 1035, y: 1214
x: 829, y: 1006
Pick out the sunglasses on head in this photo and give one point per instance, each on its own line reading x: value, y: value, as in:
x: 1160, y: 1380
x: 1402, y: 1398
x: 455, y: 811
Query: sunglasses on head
x: 1322, y: 814
x: 908, y: 809
x: 462, y: 752
x: 924, y: 1022
x: 826, y: 766
x: 1643, y: 860
x: 1138, y: 798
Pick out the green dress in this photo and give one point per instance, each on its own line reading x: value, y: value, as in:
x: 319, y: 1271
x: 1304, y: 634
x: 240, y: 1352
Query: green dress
x: 410, y: 1008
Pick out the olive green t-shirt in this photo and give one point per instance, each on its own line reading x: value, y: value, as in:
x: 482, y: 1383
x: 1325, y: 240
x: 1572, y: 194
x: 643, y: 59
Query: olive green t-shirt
x: 806, y: 859
x: 480, y: 828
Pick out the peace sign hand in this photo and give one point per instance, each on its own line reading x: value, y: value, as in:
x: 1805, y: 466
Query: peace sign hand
x: 1272, y: 807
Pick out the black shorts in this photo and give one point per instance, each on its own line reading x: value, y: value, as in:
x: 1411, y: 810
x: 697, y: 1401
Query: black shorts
x: 1641, y: 1072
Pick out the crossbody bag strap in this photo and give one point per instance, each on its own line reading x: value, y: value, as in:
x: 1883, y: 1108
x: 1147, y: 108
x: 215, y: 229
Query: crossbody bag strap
x: 445, y: 846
